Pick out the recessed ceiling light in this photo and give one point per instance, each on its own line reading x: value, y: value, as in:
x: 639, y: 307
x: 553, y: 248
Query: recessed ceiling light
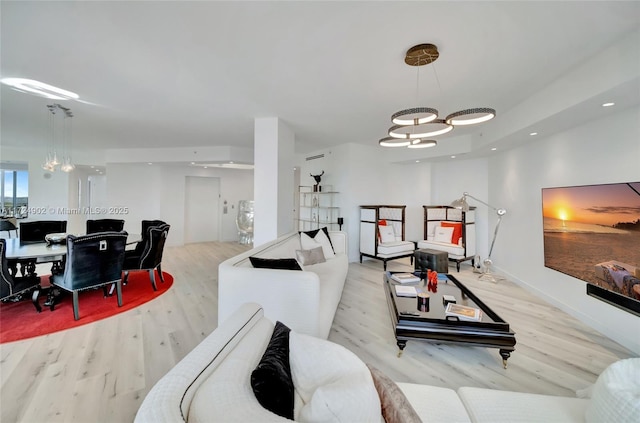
x: 193, y: 163
x: 493, y: 149
x: 206, y: 167
x: 231, y: 162
x: 608, y: 104
x: 149, y: 163
x: 417, y: 161
x: 453, y: 157
x: 533, y: 134
x: 39, y: 88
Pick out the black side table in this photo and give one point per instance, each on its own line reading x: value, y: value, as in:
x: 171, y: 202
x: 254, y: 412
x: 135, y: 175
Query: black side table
x: 432, y: 259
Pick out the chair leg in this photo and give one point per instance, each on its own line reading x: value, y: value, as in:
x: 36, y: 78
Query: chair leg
x: 160, y: 273
x: 76, y: 311
x: 152, y: 276
x: 126, y: 277
x: 34, y: 299
x: 119, y: 292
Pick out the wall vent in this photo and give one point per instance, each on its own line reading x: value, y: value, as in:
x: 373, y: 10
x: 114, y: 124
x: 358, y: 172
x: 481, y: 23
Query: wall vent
x: 319, y: 156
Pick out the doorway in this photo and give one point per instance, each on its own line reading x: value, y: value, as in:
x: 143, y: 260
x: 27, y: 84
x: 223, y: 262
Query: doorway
x: 202, y: 209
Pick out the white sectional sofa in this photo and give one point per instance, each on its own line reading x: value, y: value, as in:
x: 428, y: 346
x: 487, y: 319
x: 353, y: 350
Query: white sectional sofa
x: 306, y: 301
x: 212, y: 384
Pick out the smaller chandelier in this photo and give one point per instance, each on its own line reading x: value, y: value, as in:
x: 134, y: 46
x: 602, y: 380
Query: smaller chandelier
x: 62, y: 131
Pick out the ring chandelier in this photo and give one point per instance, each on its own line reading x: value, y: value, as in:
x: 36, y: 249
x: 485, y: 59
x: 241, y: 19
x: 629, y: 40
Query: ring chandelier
x: 412, y: 126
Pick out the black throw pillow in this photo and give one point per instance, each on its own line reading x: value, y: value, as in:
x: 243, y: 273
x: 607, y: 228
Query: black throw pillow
x: 313, y: 233
x: 271, y: 379
x: 269, y: 263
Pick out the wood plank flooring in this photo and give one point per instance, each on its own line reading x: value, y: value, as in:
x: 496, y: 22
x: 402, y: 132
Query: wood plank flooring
x: 102, y: 371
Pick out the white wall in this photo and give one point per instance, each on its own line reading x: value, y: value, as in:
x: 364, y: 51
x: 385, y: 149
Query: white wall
x: 158, y: 192
x: 362, y: 176
x: 603, y: 151
x: 454, y: 177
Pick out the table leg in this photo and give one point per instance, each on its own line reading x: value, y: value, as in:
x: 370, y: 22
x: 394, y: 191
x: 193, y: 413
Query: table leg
x: 505, y: 356
x: 401, y: 345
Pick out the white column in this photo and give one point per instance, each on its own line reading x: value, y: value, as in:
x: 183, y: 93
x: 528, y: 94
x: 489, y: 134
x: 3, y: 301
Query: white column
x: 273, y: 179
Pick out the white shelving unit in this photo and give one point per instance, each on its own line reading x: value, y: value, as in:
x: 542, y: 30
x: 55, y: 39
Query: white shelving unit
x: 317, y: 209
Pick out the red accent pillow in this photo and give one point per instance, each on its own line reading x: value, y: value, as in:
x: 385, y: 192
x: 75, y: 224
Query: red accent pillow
x: 381, y: 222
x: 457, y: 230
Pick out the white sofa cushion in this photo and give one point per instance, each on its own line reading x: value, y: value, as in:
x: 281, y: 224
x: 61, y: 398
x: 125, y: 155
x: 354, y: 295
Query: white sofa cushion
x: 494, y: 406
x: 395, y: 248
x: 335, y: 385
x: 616, y: 394
x: 305, y: 301
x: 435, y: 404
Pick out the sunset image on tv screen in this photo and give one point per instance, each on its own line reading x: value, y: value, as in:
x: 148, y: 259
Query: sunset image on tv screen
x: 592, y: 233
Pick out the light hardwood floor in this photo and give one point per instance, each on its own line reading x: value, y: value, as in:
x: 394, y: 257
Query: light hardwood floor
x: 102, y: 371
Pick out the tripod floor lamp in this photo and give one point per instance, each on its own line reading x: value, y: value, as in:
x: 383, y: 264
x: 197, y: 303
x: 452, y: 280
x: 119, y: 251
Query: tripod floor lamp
x: 463, y: 205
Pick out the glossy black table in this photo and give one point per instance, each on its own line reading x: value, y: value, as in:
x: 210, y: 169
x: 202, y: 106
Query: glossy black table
x: 433, y: 325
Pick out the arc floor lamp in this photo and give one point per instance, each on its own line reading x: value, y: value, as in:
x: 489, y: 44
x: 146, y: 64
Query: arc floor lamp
x: 462, y: 204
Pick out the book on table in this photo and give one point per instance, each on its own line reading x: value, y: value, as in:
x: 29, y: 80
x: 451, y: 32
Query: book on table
x: 462, y: 312
x: 406, y: 291
x: 405, y: 277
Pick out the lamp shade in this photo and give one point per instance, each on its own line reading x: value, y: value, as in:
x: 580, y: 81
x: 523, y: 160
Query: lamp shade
x: 461, y: 203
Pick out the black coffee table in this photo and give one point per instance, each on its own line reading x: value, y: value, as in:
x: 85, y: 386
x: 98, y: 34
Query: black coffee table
x: 491, y: 331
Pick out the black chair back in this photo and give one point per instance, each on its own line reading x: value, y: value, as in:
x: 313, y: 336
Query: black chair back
x: 144, y: 233
x: 156, y: 237
x: 93, y: 260
x: 104, y: 225
x: 10, y: 285
x: 6, y: 280
x: 33, y: 232
x: 8, y: 226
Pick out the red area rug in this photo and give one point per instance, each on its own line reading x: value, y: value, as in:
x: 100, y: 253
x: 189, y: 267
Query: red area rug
x: 20, y: 320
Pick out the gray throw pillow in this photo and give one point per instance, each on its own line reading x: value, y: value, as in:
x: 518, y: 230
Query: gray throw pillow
x: 309, y: 257
x: 396, y: 408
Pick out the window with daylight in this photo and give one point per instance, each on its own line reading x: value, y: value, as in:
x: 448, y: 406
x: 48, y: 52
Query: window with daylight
x: 14, y: 190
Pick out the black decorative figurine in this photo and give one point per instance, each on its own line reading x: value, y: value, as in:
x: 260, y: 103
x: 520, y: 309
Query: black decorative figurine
x: 317, y: 187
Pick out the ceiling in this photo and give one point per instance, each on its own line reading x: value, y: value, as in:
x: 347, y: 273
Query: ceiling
x: 192, y: 74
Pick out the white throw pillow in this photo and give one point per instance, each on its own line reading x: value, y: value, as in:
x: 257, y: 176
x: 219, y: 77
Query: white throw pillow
x: 616, y: 394
x: 308, y: 243
x: 334, y: 384
x: 386, y: 233
x: 443, y: 234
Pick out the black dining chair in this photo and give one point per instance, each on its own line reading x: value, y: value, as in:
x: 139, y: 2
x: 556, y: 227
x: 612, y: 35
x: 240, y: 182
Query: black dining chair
x: 104, y: 225
x: 93, y: 261
x: 148, y: 252
x: 15, y: 287
x: 34, y: 232
x: 8, y: 226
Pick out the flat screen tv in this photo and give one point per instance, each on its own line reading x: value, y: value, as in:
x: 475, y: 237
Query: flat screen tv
x: 592, y: 232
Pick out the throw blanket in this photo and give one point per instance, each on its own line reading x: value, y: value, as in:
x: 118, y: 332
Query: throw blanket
x: 615, y: 273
